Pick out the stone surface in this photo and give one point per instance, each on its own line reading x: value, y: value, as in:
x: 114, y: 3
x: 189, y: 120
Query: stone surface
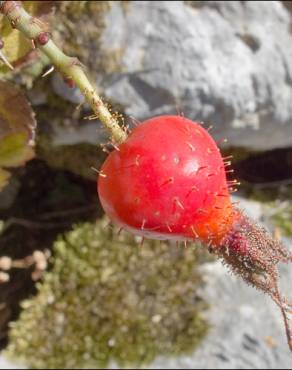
x: 225, y: 63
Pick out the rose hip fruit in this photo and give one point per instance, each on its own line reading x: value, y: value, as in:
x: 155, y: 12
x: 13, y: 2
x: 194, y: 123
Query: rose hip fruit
x: 167, y: 181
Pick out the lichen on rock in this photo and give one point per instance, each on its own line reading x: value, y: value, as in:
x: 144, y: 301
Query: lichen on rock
x: 106, y: 299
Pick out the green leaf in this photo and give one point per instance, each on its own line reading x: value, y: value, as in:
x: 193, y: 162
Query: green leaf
x: 14, y: 150
x: 17, y: 127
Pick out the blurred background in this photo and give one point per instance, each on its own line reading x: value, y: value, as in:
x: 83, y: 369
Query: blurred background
x: 74, y: 293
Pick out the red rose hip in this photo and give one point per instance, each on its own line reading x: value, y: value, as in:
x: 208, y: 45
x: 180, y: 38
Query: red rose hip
x: 167, y: 181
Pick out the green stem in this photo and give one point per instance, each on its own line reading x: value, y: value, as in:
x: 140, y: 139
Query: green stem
x: 70, y: 67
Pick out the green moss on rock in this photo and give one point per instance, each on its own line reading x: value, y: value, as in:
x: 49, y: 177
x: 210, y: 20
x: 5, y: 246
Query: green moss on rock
x: 106, y: 299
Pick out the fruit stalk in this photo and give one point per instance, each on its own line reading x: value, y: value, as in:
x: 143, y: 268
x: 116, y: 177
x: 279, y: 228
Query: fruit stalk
x: 69, y: 67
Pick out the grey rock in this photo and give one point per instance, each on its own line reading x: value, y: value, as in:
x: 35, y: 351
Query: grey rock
x: 225, y: 63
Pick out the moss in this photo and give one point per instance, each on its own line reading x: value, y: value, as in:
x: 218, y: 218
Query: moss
x: 106, y: 299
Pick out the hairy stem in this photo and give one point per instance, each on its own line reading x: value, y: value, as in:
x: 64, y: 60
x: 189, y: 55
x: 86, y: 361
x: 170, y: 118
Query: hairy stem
x: 70, y: 67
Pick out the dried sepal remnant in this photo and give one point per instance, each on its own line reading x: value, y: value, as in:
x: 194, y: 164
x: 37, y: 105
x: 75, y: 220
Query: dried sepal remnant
x: 253, y: 254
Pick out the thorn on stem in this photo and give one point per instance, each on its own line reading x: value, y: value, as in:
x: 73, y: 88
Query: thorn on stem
x: 49, y: 71
x: 91, y: 117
